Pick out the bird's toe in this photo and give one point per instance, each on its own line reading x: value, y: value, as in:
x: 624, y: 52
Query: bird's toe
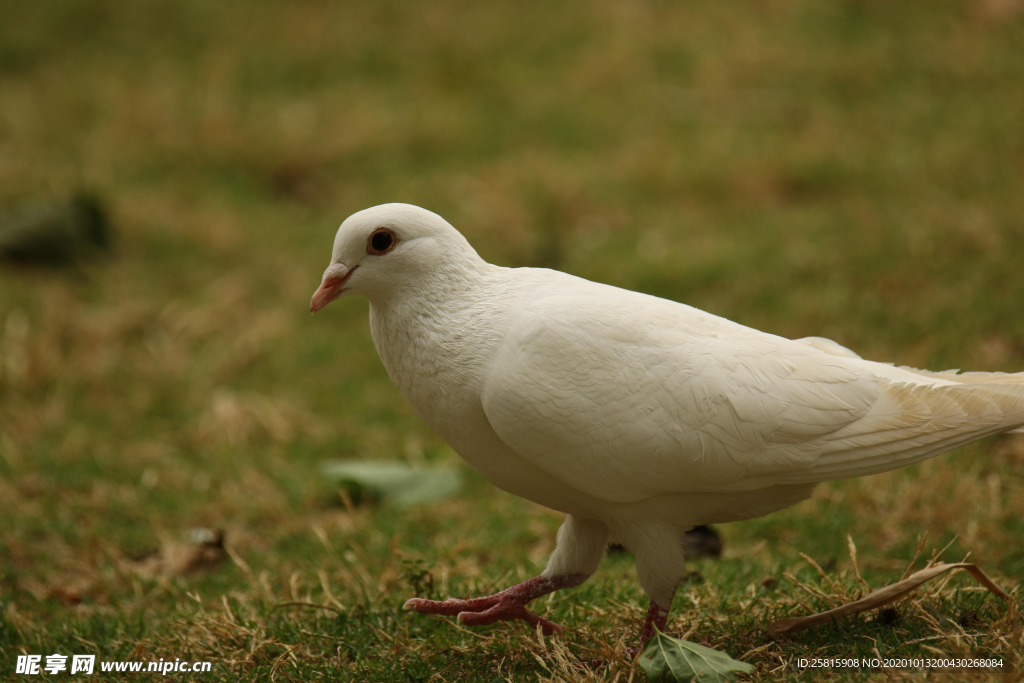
x: 451, y: 607
x: 444, y: 607
x: 508, y: 612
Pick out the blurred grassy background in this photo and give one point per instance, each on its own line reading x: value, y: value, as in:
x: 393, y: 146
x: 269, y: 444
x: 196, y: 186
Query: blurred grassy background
x: 850, y: 169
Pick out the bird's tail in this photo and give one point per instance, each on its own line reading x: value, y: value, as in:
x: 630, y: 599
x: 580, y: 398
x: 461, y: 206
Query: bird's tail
x: 920, y: 414
x: 1009, y: 382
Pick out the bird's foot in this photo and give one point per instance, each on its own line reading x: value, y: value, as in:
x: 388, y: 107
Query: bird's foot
x: 657, y: 616
x: 484, y: 611
x: 508, y: 605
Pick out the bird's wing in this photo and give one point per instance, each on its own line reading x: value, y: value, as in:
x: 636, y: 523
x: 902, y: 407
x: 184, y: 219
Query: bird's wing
x: 634, y: 397
x: 828, y: 346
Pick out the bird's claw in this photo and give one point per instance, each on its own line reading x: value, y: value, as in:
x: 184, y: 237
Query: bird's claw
x: 503, y: 612
x: 451, y: 607
x: 483, y: 611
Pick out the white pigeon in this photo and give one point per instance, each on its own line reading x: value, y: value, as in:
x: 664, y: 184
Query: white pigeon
x: 636, y: 416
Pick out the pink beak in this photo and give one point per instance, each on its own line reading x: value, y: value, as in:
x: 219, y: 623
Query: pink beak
x: 331, y: 286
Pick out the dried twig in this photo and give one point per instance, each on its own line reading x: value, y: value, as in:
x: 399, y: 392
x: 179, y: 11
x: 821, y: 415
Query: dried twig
x: 884, y: 596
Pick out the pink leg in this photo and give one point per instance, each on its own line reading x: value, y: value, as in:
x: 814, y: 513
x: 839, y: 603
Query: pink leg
x: 656, y: 616
x: 508, y: 605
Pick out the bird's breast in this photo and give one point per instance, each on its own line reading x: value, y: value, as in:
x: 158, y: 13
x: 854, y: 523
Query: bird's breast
x: 439, y: 369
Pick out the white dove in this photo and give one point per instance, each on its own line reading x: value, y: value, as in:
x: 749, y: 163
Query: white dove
x: 636, y: 416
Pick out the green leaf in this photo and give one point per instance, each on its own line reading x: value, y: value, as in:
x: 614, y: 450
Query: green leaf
x: 395, y: 482
x: 680, y: 661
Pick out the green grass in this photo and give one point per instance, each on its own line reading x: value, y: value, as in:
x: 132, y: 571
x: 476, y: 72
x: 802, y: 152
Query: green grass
x: 849, y: 169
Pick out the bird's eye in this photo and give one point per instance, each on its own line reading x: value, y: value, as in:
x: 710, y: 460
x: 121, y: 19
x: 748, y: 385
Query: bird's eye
x: 381, y: 241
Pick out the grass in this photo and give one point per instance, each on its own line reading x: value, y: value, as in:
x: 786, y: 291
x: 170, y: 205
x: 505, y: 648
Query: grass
x: 850, y: 169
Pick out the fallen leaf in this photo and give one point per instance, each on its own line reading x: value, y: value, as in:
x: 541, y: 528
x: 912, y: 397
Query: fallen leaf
x: 679, y: 661
x: 883, y: 596
x: 180, y: 559
x: 702, y: 541
x: 396, y: 482
x: 55, y: 232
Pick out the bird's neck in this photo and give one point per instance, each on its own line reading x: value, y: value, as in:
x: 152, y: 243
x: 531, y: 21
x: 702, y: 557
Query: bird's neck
x: 437, y: 330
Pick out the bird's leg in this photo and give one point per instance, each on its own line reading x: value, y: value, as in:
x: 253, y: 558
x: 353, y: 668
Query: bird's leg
x: 701, y: 541
x: 657, y: 616
x: 508, y: 605
x: 581, y: 544
x: 660, y: 566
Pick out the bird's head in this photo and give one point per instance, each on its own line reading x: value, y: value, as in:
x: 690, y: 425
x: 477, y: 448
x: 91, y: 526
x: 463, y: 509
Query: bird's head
x: 390, y: 247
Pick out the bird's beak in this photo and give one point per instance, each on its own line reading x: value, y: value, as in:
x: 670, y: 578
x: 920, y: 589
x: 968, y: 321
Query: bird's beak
x: 331, y: 286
